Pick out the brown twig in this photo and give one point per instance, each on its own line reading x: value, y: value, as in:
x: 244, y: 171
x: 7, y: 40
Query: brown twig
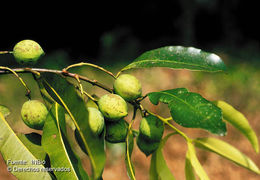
x: 6, y: 52
x: 65, y: 73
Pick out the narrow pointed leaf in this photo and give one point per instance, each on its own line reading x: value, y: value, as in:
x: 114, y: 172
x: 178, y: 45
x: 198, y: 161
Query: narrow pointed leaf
x: 66, y: 95
x: 153, y: 175
x: 189, y: 173
x: 33, y: 142
x: 192, y: 158
x: 48, y: 100
x: 129, y: 149
x: 178, y: 57
x: 12, y: 149
x: 239, y: 121
x: 190, y: 109
x: 58, y: 148
x: 227, y: 151
x: 163, y: 171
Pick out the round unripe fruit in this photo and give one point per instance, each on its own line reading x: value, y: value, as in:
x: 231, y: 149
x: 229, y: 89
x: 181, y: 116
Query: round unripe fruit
x: 128, y: 87
x: 116, y: 131
x: 113, y: 107
x: 27, y: 52
x: 145, y: 146
x: 151, y: 128
x: 34, y: 114
x: 96, y: 120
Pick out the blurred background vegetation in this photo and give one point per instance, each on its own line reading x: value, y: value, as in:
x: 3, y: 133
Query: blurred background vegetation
x: 113, y: 34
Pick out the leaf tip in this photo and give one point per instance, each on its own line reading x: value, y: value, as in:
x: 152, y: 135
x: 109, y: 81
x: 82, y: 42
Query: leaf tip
x: 256, y: 148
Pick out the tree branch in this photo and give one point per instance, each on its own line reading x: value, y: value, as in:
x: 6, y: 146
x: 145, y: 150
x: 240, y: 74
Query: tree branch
x: 65, y: 73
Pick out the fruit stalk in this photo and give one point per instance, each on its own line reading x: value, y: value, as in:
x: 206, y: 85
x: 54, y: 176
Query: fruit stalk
x: 127, y: 144
x: 91, y: 65
x: 20, y: 79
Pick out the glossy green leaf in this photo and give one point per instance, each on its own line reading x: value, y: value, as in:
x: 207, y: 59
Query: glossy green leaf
x: 12, y: 149
x: 190, y: 109
x: 56, y: 145
x: 129, y: 149
x: 227, y: 151
x: 33, y: 142
x: 4, y: 110
x: 159, y: 164
x: 66, y: 95
x: 178, y: 57
x: 239, y: 121
x: 194, y: 162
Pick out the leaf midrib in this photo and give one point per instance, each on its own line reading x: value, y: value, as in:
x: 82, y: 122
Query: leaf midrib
x: 61, y: 139
x: 20, y: 142
x: 162, y: 60
x: 75, y: 122
x: 186, y: 103
x: 183, y: 101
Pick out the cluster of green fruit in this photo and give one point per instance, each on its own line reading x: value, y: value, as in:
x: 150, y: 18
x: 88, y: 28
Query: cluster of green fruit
x: 114, y: 108
x: 108, y: 113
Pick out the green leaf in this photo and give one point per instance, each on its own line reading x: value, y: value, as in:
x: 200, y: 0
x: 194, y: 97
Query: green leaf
x: 178, y: 57
x: 80, y: 141
x: 4, y: 110
x: 45, y: 96
x: 12, y: 149
x: 239, y: 121
x: 190, y: 109
x: 58, y: 148
x: 153, y: 175
x: 33, y: 142
x: 194, y: 162
x: 159, y: 164
x: 227, y: 151
x: 66, y: 95
x: 129, y: 150
x: 189, y: 173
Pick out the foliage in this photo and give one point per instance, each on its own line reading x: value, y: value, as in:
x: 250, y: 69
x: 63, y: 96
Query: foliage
x: 62, y: 92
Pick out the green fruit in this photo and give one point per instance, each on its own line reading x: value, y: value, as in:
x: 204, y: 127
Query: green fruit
x: 96, y: 124
x: 145, y: 146
x: 96, y: 120
x: 151, y: 128
x: 128, y: 87
x: 34, y: 114
x: 116, y: 131
x: 112, y: 107
x: 27, y: 52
